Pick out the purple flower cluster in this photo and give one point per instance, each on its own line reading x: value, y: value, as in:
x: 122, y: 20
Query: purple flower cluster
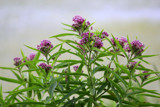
x: 132, y: 64
x: 85, y: 37
x: 88, y: 37
x: 75, y: 67
x: 31, y: 56
x: 45, y: 46
x: 98, y: 43
x: 78, y: 21
x: 17, y: 61
x: 104, y: 35
x: 45, y: 67
x: 136, y: 46
x: 145, y: 76
x: 121, y: 41
x: 113, y: 42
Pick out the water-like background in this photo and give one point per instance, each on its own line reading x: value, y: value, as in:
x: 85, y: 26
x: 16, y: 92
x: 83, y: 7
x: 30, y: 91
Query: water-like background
x: 30, y: 21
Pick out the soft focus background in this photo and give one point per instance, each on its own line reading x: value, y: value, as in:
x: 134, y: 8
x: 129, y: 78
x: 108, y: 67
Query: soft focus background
x: 30, y: 21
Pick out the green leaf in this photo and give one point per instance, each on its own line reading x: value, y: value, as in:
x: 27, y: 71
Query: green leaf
x: 68, y: 25
x: 142, y: 56
x: 31, y: 48
x: 119, y: 78
x: 2, y: 102
x: 145, y: 90
x: 24, y: 90
x: 117, y: 95
x: 8, y: 68
x: 120, y: 47
x: 58, y: 53
x: 150, y: 95
x: 117, y: 86
x: 64, y: 34
x: 103, y: 86
x: 150, y: 81
x: 52, y: 88
x: 71, y: 93
x: 22, y: 54
x: 76, y: 74
x: 28, y: 103
x: 18, y: 77
x: 73, y: 61
x: 11, y: 80
x: 110, y: 97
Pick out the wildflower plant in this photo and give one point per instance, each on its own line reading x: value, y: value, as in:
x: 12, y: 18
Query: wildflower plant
x: 46, y: 80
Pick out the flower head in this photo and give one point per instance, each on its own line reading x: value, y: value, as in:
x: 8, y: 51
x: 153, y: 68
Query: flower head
x: 122, y: 41
x: 136, y: 46
x: 45, y: 46
x: 45, y: 67
x: 17, y: 61
x: 104, y: 35
x: 113, y: 42
x: 31, y: 56
x: 75, y: 67
x: 132, y: 64
x: 85, y: 37
x: 145, y: 76
x: 98, y: 43
x: 78, y: 19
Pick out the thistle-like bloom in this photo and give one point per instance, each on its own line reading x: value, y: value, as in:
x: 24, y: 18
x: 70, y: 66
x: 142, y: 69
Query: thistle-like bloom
x: 78, y: 19
x: 17, y: 61
x: 86, y: 34
x: 104, y: 35
x: 45, y: 46
x: 31, y: 56
x: 137, y: 47
x: 85, y: 37
x: 98, y: 43
x: 45, y: 67
x: 121, y: 41
x: 75, y: 67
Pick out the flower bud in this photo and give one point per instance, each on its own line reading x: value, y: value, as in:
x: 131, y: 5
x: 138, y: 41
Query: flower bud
x: 17, y: 61
x: 45, y: 46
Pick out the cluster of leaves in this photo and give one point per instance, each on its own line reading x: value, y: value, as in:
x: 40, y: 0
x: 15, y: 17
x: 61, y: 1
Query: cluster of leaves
x: 79, y: 87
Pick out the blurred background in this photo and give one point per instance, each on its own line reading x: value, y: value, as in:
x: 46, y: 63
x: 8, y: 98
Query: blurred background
x: 30, y: 21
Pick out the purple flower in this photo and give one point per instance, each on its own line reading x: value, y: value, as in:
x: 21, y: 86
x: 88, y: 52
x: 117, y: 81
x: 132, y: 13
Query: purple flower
x: 75, y: 67
x: 127, y: 48
x: 145, y: 76
x: 45, y: 46
x: 17, y: 61
x: 132, y: 64
x: 113, y: 42
x: 98, y: 43
x: 45, y: 67
x: 85, y: 37
x: 104, y: 35
x: 86, y: 34
x: 137, y: 44
x: 122, y: 41
x: 76, y: 25
x: 137, y: 47
x: 88, y: 23
x: 78, y: 19
x: 31, y: 56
